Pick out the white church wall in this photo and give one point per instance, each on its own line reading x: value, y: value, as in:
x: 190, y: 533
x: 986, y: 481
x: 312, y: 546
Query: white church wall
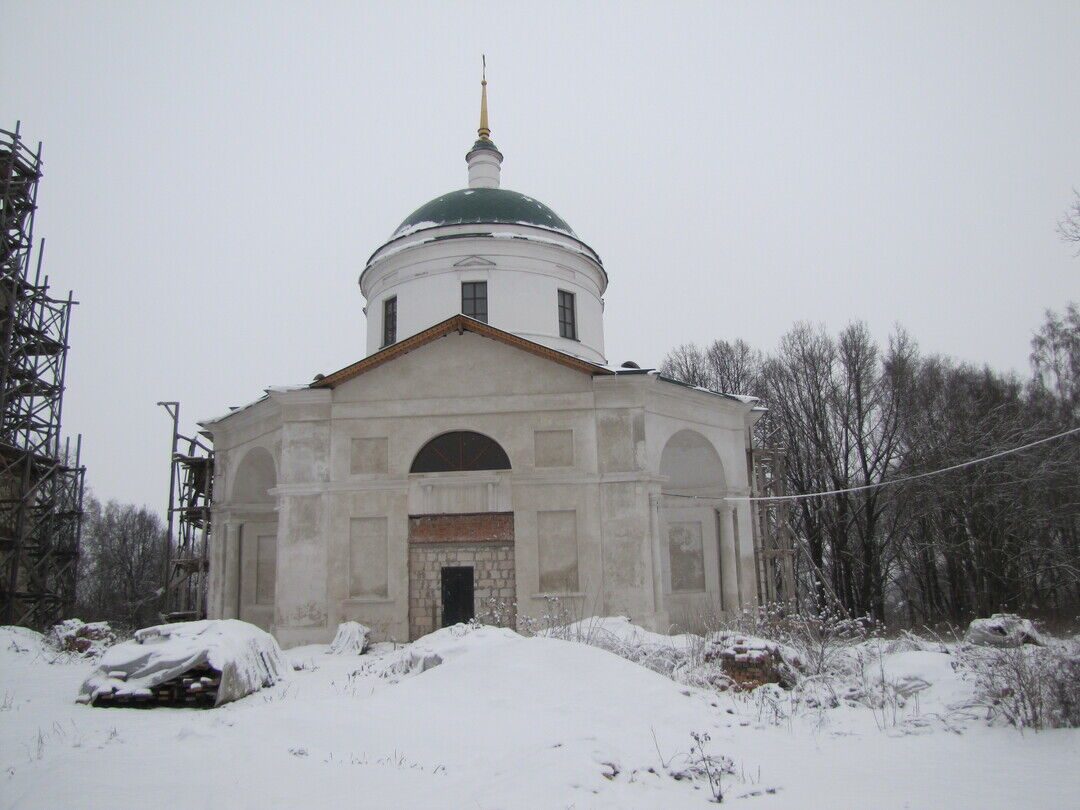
x: 628, y: 534
x: 580, y: 446
x: 436, y: 389
x: 300, y: 615
x: 257, y: 560
x: 247, y: 456
x: 386, y: 613
x: 568, y: 508
x: 431, y: 380
x: 627, y: 551
x: 305, y: 451
x: 254, y: 474
x: 460, y: 492
x: 723, y: 422
x: 690, y: 593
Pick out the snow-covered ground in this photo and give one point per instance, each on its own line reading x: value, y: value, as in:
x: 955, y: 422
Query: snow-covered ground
x: 490, y: 719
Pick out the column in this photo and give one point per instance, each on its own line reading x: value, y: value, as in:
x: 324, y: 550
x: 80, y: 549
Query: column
x: 729, y: 574
x: 227, y: 605
x: 657, y: 566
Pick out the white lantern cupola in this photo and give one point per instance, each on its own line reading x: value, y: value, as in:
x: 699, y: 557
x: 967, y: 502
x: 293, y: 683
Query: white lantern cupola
x: 493, y: 254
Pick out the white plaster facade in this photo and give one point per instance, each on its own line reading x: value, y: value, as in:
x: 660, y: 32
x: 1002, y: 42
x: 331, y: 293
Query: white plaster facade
x: 622, y: 487
x: 637, y: 442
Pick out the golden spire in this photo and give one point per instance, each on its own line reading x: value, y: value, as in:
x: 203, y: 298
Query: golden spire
x: 483, y: 132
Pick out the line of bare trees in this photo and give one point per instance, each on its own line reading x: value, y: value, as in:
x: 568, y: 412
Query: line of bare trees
x: 120, y: 564
x: 848, y: 412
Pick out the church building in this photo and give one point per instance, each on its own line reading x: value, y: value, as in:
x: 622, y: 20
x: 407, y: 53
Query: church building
x: 483, y: 457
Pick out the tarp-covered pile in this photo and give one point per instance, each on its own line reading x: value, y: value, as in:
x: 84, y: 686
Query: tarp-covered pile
x: 203, y: 663
x: 351, y: 639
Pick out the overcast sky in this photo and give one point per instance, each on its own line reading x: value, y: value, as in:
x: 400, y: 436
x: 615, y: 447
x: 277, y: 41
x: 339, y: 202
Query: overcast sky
x: 218, y: 173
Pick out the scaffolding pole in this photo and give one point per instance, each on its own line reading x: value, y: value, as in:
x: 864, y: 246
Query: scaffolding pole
x: 187, y: 538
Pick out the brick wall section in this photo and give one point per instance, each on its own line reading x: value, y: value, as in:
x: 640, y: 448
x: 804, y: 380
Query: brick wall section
x: 495, y: 590
x: 479, y: 527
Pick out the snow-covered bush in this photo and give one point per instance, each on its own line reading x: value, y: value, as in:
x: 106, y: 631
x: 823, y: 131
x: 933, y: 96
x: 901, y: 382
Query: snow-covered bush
x: 205, y: 662
x: 823, y: 640
x: 1026, y: 686
x: 820, y: 639
x: 557, y: 621
x: 76, y: 636
x: 616, y: 634
x: 351, y: 639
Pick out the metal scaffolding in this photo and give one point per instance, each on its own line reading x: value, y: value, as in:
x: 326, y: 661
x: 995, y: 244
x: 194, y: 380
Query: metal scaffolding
x: 188, y: 537
x: 41, y: 482
x: 774, y: 549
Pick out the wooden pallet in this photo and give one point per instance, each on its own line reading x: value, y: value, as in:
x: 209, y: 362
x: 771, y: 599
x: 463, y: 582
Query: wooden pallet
x: 196, y: 688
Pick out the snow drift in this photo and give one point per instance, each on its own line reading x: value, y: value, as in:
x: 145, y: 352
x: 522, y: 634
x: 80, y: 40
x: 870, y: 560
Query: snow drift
x: 244, y: 657
x: 442, y: 645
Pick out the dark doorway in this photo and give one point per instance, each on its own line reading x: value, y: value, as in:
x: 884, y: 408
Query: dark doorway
x: 457, y: 595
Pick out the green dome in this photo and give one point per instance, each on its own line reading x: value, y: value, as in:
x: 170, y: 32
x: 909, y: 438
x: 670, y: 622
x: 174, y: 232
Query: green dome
x: 482, y: 205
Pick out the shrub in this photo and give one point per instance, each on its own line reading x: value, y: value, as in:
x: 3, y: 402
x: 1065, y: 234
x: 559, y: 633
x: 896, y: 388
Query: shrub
x: 1028, y: 686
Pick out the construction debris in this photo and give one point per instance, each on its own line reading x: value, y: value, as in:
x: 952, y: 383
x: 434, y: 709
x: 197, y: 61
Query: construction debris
x: 197, y: 664
x: 351, y: 639
x: 76, y: 636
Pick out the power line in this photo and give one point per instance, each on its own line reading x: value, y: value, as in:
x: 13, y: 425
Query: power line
x: 960, y: 466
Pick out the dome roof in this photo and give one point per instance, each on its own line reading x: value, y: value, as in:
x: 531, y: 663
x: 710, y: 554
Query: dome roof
x: 482, y: 205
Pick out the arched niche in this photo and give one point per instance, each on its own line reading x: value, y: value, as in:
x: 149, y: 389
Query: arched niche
x: 690, y: 463
x: 255, y: 477
x: 460, y: 451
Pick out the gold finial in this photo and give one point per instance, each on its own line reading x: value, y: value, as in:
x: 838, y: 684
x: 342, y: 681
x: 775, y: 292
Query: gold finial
x: 483, y: 132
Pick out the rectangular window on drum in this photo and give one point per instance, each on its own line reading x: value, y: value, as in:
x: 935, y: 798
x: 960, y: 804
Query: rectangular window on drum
x: 474, y: 300
x: 389, y: 321
x: 567, y: 315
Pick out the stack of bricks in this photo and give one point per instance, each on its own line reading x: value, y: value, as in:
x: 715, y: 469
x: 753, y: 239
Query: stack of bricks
x: 748, y: 662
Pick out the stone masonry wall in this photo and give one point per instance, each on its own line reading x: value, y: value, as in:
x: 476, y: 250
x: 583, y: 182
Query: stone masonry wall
x: 494, y: 593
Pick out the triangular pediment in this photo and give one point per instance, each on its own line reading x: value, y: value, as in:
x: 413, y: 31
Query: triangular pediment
x: 474, y: 261
x: 459, y: 324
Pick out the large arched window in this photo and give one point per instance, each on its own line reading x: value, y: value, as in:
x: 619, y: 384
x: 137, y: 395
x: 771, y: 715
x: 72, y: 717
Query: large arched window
x: 460, y: 450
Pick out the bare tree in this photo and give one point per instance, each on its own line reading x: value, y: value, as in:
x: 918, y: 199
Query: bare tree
x: 734, y: 367
x: 1069, y: 225
x: 1055, y: 359
x: 687, y: 364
